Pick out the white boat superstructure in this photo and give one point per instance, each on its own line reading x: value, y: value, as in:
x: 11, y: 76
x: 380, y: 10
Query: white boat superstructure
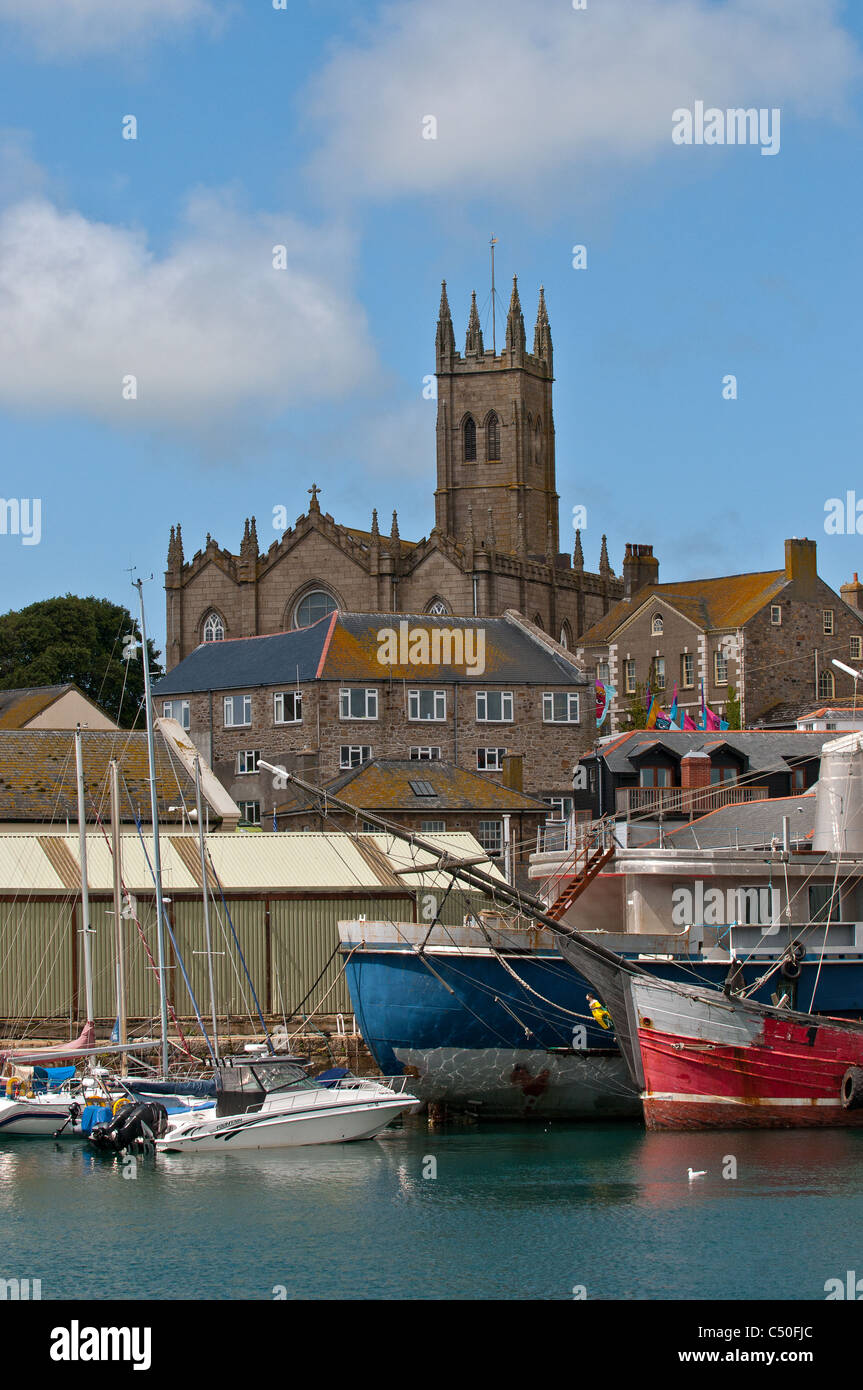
x: 270, y: 1103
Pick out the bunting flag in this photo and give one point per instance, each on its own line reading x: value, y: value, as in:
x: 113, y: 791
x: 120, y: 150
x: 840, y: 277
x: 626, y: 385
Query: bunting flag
x: 674, y: 713
x: 689, y: 724
x: 604, y: 696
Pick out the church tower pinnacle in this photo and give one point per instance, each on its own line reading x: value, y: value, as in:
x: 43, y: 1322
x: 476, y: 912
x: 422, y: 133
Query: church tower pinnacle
x: 495, y: 431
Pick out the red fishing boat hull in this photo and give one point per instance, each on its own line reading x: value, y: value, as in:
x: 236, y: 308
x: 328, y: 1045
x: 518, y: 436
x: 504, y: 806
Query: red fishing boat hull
x: 715, y: 1063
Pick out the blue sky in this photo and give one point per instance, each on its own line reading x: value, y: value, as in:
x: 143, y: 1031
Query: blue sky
x: 303, y: 127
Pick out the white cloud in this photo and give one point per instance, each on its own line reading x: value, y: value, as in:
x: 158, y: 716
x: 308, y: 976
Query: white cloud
x: 60, y: 28
x: 526, y: 93
x: 206, y: 329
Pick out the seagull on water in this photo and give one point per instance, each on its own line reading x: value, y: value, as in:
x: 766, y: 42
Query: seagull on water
x: 692, y: 1174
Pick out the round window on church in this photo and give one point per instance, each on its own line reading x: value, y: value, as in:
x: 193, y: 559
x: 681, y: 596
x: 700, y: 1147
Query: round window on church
x: 313, y: 606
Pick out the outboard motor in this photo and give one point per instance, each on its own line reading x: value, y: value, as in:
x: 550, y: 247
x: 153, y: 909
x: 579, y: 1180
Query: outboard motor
x: 134, y: 1124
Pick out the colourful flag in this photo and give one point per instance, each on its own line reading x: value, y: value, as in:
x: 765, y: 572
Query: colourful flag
x: 689, y: 724
x: 652, y: 712
x: 712, y: 720
x: 275, y: 822
x: 674, y: 713
x: 604, y: 696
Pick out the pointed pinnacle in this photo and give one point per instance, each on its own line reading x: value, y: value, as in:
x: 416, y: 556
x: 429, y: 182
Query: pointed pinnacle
x: 473, y: 341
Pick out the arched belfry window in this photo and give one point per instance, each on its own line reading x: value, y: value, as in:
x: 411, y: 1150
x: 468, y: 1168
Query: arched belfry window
x: 492, y: 439
x: 214, y: 628
x: 537, y: 444
x: 469, y: 435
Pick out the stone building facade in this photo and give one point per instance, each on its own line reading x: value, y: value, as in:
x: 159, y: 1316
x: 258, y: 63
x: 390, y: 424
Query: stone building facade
x: 495, y: 544
x: 318, y: 701
x: 772, y: 636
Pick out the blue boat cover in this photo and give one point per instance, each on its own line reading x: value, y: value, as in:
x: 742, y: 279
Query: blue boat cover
x: 325, y: 1078
x: 45, y: 1078
x: 94, y: 1115
x: 172, y: 1088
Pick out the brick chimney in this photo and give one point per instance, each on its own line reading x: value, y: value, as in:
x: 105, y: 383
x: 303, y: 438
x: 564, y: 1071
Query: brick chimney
x: 853, y: 592
x: 801, y: 563
x: 640, y: 567
x: 695, y: 769
x: 513, y: 771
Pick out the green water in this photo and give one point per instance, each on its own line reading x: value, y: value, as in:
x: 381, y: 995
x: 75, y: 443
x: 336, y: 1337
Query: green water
x: 514, y: 1212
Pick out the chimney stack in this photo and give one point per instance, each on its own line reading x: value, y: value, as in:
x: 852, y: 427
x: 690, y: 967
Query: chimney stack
x: 640, y: 567
x: 513, y: 771
x: 801, y: 564
x: 853, y: 593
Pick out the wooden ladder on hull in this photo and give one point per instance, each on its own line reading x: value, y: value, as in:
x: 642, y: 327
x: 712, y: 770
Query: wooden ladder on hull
x: 595, y: 857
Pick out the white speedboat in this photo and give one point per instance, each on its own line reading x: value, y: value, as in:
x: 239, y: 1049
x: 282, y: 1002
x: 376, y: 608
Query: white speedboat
x: 271, y: 1103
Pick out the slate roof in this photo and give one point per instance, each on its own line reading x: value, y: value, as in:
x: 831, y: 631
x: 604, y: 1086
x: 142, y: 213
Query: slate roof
x: 385, y: 784
x: 345, y: 646
x: 765, y: 750
x: 756, y: 824
x: 37, y: 775
x: 18, y: 707
x: 729, y: 601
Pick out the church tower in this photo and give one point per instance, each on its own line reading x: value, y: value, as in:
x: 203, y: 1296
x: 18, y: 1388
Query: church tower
x: 495, y: 432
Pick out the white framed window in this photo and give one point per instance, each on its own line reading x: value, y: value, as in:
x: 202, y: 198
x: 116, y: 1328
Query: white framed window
x: 490, y: 759
x: 427, y: 704
x: 687, y: 670
x: 561, y: 806
x: 602, y: 673
x: 720, y: 669
x: 560, y: 708
x: 657, y: 625
x: 776, y: 614
x: 629, y: 677
x: 179, y: 710
x: 494, y: 706
x: 370, y: 829
x: 352, y: 754
x: 826, y: 686
x: 288, y: 707
x: 658, y: 676
x: 490, y: 835
x: 356, y: 702
x: 250, y: 811
x: 856, y: 649
x: 433, y: 827
x: 425, y: 754
x: 214, y: 628
x: 247, y: 760
x: 238, y: 711
x: 827, y: 621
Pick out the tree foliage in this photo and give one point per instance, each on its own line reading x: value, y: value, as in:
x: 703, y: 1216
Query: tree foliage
x: 78, y: 640
x: 636, y: 708
x: 732, y: 708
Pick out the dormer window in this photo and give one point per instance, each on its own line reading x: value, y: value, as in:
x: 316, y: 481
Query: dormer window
x: 656, y: 626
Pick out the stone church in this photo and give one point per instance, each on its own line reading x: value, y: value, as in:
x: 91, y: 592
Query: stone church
x: 495, y: 544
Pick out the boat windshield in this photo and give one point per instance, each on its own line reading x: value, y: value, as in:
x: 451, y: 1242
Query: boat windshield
x: 280, y: 1075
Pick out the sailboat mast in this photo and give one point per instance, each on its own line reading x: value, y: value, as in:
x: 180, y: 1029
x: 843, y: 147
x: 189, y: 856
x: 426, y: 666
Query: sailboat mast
x: 86, y: 930
x: 206, y: 893
x: 154, y: 816
x: 118, y: 903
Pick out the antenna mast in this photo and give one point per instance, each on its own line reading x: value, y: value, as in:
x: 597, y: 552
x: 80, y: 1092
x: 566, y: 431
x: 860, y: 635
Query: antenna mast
x: 492, y: 245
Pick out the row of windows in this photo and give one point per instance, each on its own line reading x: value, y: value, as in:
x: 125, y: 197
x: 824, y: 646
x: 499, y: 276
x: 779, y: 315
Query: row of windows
x: 353, y: 754
x: 657, y: 675
x: 650, y: 776
x: 657, y: 624
x: 359, y: 702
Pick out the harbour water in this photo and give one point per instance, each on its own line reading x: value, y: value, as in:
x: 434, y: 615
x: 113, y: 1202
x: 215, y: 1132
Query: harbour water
x: 518, y: 1212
